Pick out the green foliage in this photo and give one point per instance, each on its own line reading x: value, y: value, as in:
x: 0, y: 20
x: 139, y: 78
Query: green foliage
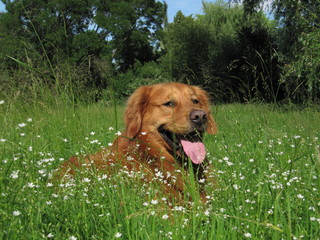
x: 233, y: 50
x: 295, y: 18
x: 87, y: 43
x: 75, y: 34
x: 199, y: 49
x: 258, y: 67
x: 186, y: 44
x: 302, y: 76
x: 50, y: 26
x: 239, y: 54
x: 222, y: 22
x: 124, y: 84
x: 133, y: 27
x: 250, y: 6
x: 232, y: 55
x: 299, y: 44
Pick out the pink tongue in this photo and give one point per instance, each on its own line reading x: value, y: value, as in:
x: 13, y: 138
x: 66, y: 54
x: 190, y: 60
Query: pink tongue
x: 195, y: 151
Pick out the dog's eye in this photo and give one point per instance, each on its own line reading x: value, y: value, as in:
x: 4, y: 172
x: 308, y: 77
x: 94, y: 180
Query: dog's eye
x: 169, y: 104
x: 195, y: 101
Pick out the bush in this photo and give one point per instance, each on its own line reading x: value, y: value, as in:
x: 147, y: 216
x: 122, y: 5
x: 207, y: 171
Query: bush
x: 124, y: 84
x: 302, y: 76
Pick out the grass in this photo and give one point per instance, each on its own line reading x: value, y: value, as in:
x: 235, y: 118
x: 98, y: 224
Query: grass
x: 266, y: 161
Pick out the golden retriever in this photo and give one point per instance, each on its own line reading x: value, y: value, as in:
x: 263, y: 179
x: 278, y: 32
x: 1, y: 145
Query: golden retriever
x: 164, y: 127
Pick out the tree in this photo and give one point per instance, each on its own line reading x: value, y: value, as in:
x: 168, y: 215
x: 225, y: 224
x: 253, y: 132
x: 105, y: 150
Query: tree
x: 63, y: 39
x: 298, y: 40
x: 259, y: 67
x: 233, y: 55
x: 250, y: 6
x: 62, y: 29
x: 296, y: 18
x: 186, y: 44
x: 133, y: 26
x: 51, y: 25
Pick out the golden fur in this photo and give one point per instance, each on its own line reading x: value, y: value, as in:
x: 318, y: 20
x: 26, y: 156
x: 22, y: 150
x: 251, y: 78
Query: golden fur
x: 157, y: 119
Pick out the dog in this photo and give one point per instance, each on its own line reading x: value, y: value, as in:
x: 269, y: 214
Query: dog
x: 164, y: 128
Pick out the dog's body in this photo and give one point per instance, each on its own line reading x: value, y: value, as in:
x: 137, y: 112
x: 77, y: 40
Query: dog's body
x: 165, y: 124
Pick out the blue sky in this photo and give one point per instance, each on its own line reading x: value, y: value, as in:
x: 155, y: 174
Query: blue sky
x: 187, y: 7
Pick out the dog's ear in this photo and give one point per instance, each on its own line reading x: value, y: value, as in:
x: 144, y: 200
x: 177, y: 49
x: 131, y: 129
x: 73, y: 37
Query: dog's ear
x: 135, y: 110
x: 205, y: 103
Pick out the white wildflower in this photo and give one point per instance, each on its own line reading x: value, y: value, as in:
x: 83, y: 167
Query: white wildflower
x: 178, y: 208
x: 129, y: 158
x: 230, y: 163
x: 22, y: 125
x: 118, y: 235
x: 165, y: 216
x: 207, y: 212
x: 87, y: 180
x: 312, y: 209
x: 202, y: 180
x: 50, y: 235
x: 154, y: 202
x: 14, y: 174
x: 16, y: 213
x: 31, y: 185
x: 159, y: 174
x: 248, y: 235
x: 235, y: 186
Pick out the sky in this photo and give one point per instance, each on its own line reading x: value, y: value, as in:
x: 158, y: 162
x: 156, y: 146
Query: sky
x: 187, y: 7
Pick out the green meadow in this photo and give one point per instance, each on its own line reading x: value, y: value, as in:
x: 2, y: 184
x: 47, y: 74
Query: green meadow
x: 265, y: 159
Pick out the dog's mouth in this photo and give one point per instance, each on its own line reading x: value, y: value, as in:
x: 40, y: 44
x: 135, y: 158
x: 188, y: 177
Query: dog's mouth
x: 191, y: 144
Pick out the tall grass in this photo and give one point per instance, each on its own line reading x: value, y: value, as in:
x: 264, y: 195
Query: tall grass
x: 266, y: 161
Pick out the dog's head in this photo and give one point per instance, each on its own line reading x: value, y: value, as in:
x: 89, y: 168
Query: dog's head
x: 178, y: 113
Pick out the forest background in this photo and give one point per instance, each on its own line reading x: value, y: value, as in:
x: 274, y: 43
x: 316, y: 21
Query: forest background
x: 92, y: 51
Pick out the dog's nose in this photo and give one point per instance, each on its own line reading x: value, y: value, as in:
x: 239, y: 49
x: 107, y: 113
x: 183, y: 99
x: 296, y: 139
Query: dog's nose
x: 198, y: 117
